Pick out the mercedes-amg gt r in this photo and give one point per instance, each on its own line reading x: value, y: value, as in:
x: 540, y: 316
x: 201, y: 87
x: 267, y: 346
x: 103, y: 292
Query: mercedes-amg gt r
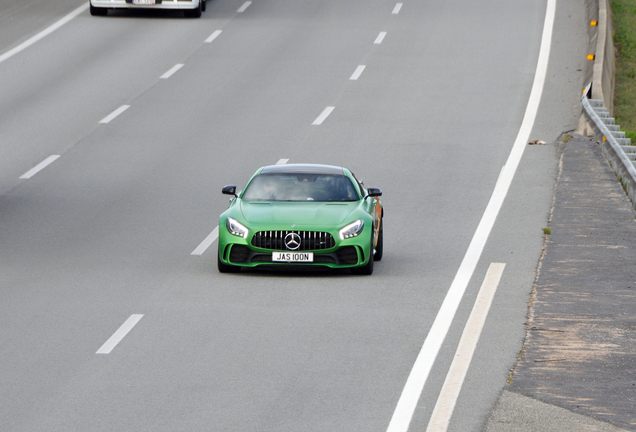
x: 301, y: 214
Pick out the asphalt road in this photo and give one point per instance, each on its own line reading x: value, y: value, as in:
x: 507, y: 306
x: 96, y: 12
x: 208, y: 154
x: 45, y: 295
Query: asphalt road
x: 107, y: 229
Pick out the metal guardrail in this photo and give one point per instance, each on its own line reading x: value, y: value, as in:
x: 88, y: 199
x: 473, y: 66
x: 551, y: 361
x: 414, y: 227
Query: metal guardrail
x: 617, y: 149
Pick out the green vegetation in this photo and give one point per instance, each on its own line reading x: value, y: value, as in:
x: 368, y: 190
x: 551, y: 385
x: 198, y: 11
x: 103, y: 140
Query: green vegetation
x: 624, y: 12
x: 623, y: 184
x: 547, y: 231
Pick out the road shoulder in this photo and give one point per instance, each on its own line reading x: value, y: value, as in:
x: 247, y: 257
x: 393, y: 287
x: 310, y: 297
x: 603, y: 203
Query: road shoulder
x: 579, y: 348
x: 519, y: 413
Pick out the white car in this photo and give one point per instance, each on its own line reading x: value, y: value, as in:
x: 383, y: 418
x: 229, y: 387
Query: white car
x: 191, y: 8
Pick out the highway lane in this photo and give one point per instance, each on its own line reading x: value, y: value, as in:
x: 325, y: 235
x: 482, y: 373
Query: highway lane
x: 106, y: 231
x: 61, y: 91
x: 20, y: 19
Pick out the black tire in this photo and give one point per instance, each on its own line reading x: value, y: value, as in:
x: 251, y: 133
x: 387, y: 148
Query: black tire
x: 366, y: 269
x: 204, y: 6
x: 226, y: 268
x: 379, y: 249
x: 194, y: 13
x: 95, y: 11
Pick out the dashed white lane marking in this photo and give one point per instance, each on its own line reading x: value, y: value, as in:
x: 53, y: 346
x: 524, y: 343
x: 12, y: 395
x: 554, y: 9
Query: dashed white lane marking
x: 119, y: 334
x: 114, y: 114
x: 419, y: 374
x: 282, y: 161
x: 380, y: 38
x: 459, y: 367
x: 47, y: 31
x: 356, y: 74
x: 39, y: 167
x: 172, y: 70
x: 321, y: 118
x: 205, y: 244
x: 245, y: 6
x: 396, y: 9
x: 213, y: 36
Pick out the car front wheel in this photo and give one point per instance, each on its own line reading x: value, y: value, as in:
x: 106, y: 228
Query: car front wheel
x: 226, y: 268
x: 194, y: 13
x: 379, y: 248
x: 366, y: 269
x: 95, y: 11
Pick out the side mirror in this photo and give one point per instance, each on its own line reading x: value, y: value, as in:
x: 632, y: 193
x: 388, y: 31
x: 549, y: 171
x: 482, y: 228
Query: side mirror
x: 229, y: 190
x: 374, y: 192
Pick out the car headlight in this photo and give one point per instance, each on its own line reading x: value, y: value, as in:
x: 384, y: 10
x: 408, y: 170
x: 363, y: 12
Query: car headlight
x: 236, y: 228
x: 351, y: 230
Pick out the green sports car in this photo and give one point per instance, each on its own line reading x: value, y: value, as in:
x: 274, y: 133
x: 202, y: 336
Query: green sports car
x: 300, y: 214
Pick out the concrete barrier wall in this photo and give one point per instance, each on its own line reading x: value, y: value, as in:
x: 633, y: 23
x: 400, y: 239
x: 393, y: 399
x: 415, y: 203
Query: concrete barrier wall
x: 609, y: 57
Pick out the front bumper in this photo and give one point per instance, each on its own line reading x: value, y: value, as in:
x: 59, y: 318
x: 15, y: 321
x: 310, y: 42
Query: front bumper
x: 349, y: 253
x: 347, y: 256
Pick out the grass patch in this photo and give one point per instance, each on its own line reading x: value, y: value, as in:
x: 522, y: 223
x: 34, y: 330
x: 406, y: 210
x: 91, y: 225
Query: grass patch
x: 624, y: 12
x: 547, y: 231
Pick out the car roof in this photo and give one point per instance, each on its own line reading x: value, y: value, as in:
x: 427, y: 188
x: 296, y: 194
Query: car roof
x: 302, y: 169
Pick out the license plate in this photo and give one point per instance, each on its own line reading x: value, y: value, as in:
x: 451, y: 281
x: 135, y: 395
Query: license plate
x: 144, y: 2
x: 293, y: 257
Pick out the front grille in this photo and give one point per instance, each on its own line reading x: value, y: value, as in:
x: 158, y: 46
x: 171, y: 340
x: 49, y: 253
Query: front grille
x: 309, y: 240
x: 165, y: 1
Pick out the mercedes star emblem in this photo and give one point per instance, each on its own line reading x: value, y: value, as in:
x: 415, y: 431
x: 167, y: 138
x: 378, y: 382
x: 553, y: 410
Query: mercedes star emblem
x: 292, y: 241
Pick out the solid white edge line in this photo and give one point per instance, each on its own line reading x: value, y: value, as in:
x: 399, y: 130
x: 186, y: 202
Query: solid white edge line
x: 114, y: 114
x: 47, y: 31
x: 39, y: 167
x: 380, y: 38
x: 356, y: 74
x: 282, y: 161
x: 205, y: 244
x: 121, y: 333
x: 323, y: 116
x: 396, y: 9
x: 245, y: 6
x: 417, y: 378
x: 213, y: 36
x: 172, y: 70
x: 447, y: 399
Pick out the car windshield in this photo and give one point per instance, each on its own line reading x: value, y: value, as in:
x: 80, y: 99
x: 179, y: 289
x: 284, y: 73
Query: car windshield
x: 300, y: 187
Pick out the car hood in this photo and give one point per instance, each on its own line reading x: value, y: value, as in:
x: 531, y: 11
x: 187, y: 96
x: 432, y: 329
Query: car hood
x: 304, y: 215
